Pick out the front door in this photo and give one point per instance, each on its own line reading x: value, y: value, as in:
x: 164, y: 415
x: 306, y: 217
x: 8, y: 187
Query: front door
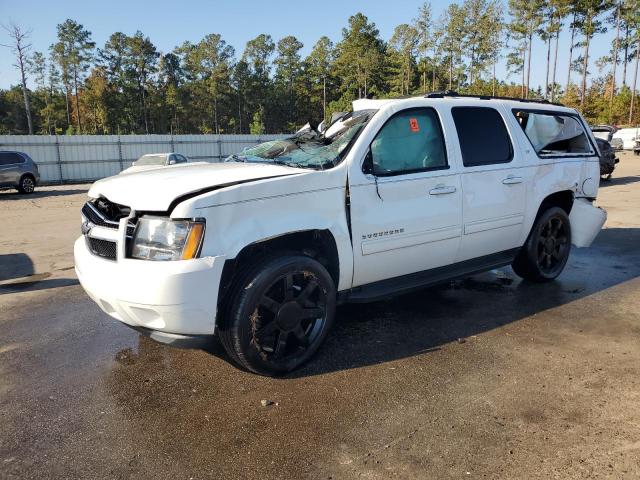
x: 406, y: 211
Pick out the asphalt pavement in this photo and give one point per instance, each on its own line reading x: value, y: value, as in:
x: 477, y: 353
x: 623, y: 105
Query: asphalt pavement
x: 489, y: 377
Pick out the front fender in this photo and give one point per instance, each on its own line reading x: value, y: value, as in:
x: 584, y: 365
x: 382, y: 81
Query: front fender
x: 232, y: 227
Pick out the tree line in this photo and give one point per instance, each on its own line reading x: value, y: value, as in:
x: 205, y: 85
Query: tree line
x: 128, y: 86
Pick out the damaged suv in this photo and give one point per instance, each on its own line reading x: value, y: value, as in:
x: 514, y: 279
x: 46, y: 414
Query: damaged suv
x: 391, y: 197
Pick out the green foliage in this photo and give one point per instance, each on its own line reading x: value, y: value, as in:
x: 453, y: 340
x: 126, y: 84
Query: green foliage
x: 205, y: 86
x: 257, y: 125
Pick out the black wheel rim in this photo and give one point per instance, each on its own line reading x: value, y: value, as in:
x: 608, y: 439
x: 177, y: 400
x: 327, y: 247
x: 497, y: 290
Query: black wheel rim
x: 27, y: 185
x: 289, y: 316
x: 552, y: 245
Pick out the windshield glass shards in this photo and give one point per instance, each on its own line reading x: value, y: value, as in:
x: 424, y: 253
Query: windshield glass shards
x: 310, y: 148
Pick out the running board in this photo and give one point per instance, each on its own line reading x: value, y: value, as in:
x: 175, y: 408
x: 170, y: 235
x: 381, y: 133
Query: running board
x: 415, y: 281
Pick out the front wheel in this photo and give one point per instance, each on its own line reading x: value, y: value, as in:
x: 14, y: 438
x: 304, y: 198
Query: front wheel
x: 546, y: 251
x: 279, y: 313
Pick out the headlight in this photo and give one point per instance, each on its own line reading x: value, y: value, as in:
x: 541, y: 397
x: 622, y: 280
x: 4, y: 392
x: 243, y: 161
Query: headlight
x: 158, y: 238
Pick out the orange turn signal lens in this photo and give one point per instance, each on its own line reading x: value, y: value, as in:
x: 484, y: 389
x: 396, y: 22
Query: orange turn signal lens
x: 194, y: 239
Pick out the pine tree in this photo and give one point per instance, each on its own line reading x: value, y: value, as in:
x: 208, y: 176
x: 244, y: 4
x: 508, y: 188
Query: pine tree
x: 423, y: 25
x: 20, y: 48
x: 74, y: 52
x: 588, y: 12
x: 360, y: 58
x: 527, y: 16
x: 288, y: 65
x: 402, y: 52
x: 318, y: 67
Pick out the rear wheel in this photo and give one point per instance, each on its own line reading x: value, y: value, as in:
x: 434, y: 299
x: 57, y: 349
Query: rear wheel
x: 27, y: 184
x: 546, y: 251
x: 279, y: 313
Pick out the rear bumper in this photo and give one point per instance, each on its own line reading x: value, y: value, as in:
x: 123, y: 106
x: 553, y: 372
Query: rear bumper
x: 169, y: 300
x: 586, y: 222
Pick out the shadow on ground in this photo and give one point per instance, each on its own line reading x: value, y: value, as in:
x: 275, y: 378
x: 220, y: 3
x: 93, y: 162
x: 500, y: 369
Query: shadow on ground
x: 15, y: 265
x: 14, y: 195
x: 421, y: 322
x: 620, y: 181
x: 36, y: 282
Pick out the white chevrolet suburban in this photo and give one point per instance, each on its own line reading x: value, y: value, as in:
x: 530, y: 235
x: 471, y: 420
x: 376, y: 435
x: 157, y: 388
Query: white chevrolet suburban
x: 393, y: 196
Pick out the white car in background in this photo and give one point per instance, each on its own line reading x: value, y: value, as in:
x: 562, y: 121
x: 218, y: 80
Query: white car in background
x: 628, y: 136
x: 391, y: 197
x: 151, y: 161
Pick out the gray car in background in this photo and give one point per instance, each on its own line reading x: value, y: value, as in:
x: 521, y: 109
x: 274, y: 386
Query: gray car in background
x: 18, y: 171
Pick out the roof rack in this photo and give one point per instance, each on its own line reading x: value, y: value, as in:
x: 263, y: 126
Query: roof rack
x: 452, y: 93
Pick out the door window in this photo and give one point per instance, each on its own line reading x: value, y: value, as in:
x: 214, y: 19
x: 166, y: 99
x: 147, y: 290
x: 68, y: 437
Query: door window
x: 483, y: 136
x: 553, y: 134
x: 411, y: 141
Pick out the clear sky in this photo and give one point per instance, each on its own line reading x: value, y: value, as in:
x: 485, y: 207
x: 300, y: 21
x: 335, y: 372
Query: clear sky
x: 170, y: 22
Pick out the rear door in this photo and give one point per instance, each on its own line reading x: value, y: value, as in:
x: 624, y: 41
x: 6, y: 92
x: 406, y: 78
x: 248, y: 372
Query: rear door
x: 10, y: 168
x: 406, y: 208
x: 493, y: 182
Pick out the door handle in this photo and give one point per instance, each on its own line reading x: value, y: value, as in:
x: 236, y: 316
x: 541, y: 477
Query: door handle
x: 512, y: 180
x: 442, y: 190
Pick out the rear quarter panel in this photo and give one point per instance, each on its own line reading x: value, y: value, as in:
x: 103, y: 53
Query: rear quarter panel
x: 545, y: 175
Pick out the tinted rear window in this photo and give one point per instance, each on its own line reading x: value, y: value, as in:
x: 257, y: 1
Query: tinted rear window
x: 483, y: 136
x: 10, y: 158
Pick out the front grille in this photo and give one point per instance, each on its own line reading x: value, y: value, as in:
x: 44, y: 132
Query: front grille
x: 110, y: 210
x: 103, y: 213
x: 102, y: 248
x: 95, y: 217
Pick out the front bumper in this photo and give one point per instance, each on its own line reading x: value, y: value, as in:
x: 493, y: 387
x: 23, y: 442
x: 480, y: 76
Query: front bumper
x: 170, y: 299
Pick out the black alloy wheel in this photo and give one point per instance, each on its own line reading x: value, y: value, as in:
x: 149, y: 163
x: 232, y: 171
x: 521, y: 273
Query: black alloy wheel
x: 552, y: 245
x: 289, y: 316
x: 279, y: 313
x: 546, y: 251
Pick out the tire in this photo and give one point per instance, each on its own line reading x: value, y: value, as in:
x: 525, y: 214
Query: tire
x: 27, y: 184
x: 278, y: 314
x: 546, y: 251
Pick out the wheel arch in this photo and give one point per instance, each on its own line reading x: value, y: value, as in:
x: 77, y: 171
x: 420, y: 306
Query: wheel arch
x: 318, y: 244
x: 27, y: 174
x: 562, y: 198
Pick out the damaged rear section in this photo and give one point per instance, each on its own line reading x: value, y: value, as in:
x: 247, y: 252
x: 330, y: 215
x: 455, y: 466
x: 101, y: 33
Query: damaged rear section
x: 586, y: 222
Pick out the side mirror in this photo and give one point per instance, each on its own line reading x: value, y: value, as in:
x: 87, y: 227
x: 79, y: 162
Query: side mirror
x: 367, y: 165
x: 172, y: 162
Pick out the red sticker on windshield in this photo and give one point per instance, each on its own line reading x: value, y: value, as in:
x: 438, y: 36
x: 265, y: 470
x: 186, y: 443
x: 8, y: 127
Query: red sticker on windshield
x: 413, y: 125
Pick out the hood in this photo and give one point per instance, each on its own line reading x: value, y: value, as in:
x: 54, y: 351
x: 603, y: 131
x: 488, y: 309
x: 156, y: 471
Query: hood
x: 156, y: 189
x: 142, y: 168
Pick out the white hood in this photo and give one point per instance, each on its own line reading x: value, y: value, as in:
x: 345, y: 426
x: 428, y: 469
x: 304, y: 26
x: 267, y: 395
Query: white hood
x: 154, y: 190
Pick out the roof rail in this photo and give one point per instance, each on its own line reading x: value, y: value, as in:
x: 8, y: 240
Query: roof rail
x: 452, y: 93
